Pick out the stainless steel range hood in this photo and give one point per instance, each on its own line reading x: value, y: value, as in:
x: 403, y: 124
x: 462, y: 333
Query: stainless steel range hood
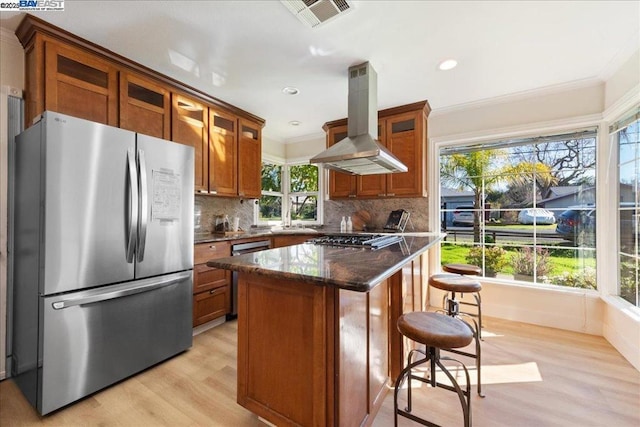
x: 359, y: 153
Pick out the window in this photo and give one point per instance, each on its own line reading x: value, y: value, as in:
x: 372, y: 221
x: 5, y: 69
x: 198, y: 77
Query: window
x: 290, y: 194
x: 270, y: 204
x: 627, y: 137
x: 522, y: 209
x: 304, y: 193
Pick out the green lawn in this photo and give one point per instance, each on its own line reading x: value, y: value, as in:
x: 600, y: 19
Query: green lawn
x: 562, y: 260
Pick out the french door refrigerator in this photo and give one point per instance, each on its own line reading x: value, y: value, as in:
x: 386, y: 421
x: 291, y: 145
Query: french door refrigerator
x: 103, y: 256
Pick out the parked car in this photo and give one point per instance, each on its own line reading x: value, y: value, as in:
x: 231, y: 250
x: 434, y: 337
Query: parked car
x: 536, y: 216
x: 463, y: 215
x: 578, y: 224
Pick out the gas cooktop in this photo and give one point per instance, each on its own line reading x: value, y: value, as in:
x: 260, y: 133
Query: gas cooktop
x: 369, y: 241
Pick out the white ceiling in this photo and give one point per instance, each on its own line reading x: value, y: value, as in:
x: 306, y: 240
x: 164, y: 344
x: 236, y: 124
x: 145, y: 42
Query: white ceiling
x: 256, y: 48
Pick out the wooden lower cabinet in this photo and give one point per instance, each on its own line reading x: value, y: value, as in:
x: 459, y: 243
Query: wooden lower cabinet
x: 281, y: 241
x: 211, y: 286
x: 309, y: 354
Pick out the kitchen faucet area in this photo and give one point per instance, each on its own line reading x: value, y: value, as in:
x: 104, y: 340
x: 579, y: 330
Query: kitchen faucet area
x: 320, y: 213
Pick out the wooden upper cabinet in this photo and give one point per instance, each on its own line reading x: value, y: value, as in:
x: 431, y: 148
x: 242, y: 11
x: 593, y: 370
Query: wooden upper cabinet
x: 223, y: 154
x: 403, y: 131
x: 374, y: 185
x: 190, y: 126
x: 249, y: 159
x: 340, y: 184
x: 144, y: 106
x: 71, y: 75
x: 80, y: 84
x: 404, y: 137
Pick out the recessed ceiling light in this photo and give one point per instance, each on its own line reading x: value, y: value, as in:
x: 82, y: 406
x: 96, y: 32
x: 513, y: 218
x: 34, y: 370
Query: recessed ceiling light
x: 294, y: 123
x: 290, y: 90
x: 447, y: 64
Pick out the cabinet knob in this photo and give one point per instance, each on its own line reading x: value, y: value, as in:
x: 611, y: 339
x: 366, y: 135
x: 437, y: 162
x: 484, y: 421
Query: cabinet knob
x: 381, y: 194
x: 352, y: 195
x: 203, y: 192
x: 391, y: 194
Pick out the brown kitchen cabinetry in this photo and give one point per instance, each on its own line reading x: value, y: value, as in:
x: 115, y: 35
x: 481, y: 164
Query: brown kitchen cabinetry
x: 223, y: 153
x: 77, y: 83
x: 249, y: 159
x: 341, y: 185
x: 71, y: 75
x: 282, y: 241
x: 144, y: 106
x: 211, y: 286
x: 189, y: 126
x: 403, y: 130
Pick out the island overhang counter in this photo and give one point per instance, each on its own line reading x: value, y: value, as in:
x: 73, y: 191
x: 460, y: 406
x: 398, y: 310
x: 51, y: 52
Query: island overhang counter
x: 317, y: 342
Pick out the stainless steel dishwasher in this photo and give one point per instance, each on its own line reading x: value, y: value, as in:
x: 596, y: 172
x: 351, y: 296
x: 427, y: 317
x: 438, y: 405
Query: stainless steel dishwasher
x: 241, y: 249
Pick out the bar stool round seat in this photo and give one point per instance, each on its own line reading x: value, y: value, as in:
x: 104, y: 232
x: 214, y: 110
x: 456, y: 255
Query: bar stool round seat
x: 464, y: 269
x: 435, y: 329
x: 454, y: 283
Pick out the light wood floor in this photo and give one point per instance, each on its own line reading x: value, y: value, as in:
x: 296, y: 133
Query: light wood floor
x: 532, y: 376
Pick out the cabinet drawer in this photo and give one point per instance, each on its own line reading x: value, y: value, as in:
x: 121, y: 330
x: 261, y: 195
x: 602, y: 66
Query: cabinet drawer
x: 203, y: 252
x: 210, y: 305
x: 205, y: 278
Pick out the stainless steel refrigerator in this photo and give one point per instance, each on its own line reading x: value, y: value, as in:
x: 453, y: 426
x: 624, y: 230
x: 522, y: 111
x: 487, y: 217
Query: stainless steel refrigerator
x: 103, y: 256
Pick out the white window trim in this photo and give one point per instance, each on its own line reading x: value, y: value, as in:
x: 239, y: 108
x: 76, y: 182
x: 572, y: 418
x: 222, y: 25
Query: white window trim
x: 286, y: 195
x: 522, y: 131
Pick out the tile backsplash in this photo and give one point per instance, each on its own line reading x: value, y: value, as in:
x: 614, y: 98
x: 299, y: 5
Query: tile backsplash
x: 206, y: 208
x: 379, y: 210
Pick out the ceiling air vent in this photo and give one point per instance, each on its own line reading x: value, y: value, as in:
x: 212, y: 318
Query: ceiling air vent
x: 316, y: 12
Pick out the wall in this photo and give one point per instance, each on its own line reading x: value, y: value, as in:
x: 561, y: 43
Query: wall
x: 556, y: 109
x: 11, y: 75
x: 379, y: 211
x: 623, y: 82
x: 207, y: 207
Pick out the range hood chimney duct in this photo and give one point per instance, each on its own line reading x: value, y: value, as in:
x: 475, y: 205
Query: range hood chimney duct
x: 359, y: 153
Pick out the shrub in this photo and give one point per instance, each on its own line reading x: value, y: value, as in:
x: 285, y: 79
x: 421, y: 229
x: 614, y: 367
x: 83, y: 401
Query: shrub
x: 523, y: 261
x: 581, y: 279
x: 494, y: 258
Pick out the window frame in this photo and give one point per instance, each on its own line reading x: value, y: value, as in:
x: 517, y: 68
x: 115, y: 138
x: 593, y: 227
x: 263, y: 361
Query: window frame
x: 287, y: 195
x: 489, y: 136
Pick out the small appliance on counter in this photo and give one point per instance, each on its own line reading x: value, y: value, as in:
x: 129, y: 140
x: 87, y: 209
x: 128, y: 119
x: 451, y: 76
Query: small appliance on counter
x: 397, y: 221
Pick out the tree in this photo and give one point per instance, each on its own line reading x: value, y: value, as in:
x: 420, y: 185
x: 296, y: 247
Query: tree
x: 302, y: 179
x: 567, y: 161
x: 476, y: 171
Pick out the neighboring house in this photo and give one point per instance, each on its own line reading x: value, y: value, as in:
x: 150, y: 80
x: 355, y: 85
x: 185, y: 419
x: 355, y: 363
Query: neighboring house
x: 450, y: 199
x: 558, y: 199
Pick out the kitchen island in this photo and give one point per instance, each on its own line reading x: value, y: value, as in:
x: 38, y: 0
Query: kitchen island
x: 317, y: 341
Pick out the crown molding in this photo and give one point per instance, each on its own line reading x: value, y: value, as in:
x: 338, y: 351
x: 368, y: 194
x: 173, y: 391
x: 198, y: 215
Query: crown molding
x: 622, y: 105
x: 518, y: 96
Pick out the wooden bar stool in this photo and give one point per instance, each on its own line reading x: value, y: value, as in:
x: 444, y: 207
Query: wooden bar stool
x: 452, y: 284
x: 468, y: 270
x: 436, y: 331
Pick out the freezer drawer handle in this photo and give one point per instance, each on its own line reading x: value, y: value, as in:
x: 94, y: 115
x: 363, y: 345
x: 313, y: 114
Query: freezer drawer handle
x: 145, y: 285
x: 143, y: 220
x: 133, y: 205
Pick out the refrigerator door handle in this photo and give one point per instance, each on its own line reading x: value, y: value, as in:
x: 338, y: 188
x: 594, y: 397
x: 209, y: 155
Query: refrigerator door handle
x: 144, y: 203
x: 137, y: 287
x: 132, y: 207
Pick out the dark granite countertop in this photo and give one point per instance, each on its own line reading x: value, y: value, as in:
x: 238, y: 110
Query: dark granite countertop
x: 259, y: 232
x: 356, y: 269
